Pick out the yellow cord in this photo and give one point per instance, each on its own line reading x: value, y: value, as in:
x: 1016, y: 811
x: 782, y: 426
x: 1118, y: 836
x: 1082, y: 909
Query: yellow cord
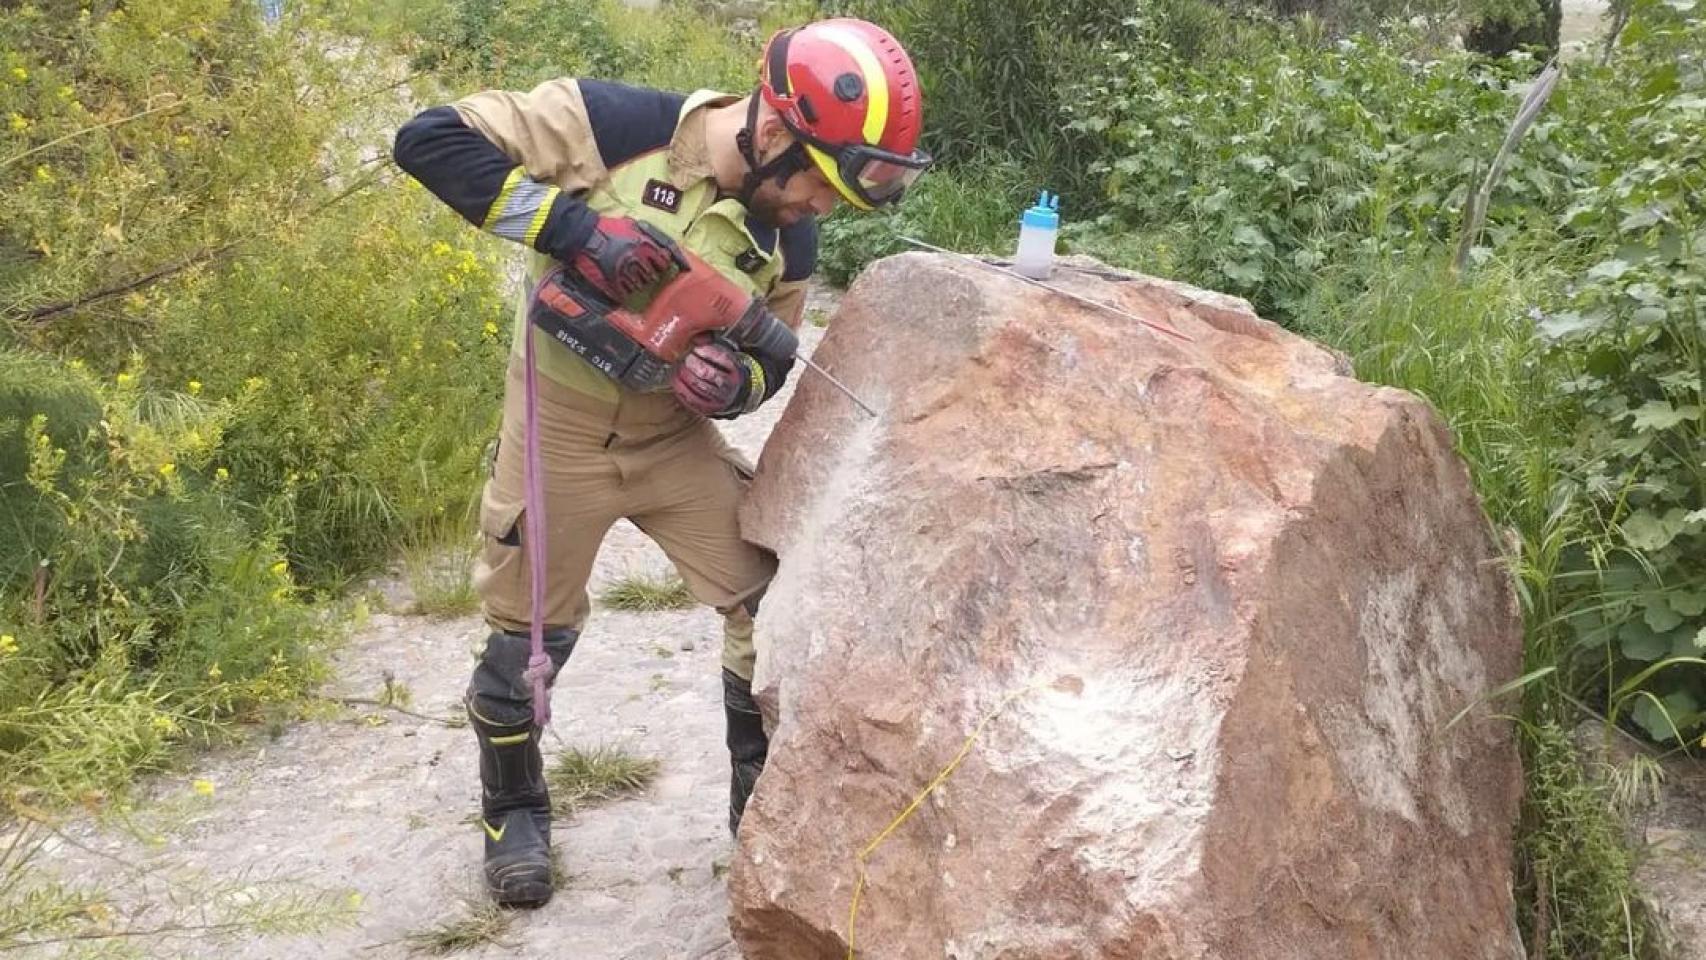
x: 947, y: 771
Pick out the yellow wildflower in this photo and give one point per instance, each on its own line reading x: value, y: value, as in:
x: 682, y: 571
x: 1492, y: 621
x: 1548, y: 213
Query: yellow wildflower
x: 66, y: 92
x: 19, y: 122
x: 222, y: 474
x: 491, y: 329
x: 195, y: 388
x: 280, y: 568
x: 8, y: 644
x: 20, y: 74
x: 168, y: 468
x: 44, y: 174
x: 214, y: 672
x: 126, y: 379
x: 440, y: 248
x: 204, y: 787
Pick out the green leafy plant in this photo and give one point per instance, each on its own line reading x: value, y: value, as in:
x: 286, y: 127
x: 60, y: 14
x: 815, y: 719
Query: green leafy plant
x: 1636, y: 328
x: 1574, y: 868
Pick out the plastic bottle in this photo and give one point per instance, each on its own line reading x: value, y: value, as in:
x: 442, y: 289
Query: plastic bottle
x: 1037, y: 232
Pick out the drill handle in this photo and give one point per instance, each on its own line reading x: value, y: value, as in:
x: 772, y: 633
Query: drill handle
x: 667, y: 242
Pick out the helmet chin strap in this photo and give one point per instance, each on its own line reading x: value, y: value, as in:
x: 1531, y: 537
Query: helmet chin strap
x: 781, y: 169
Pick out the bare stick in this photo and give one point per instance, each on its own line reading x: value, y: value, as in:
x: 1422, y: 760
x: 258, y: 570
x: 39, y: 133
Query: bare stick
x: 1619, y: 20
x: 1475, y: 215
x: 99, y: 126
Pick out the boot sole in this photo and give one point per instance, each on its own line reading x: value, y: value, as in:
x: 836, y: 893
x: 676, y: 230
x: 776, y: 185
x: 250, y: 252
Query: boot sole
x: 528, y: 890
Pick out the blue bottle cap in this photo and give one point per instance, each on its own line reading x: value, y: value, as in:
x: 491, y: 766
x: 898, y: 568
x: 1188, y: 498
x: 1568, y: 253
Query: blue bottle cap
x: 1045, y: 214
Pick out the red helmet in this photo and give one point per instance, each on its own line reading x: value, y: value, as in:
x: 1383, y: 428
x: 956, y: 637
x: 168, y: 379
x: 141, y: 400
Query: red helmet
x: 847, y: 91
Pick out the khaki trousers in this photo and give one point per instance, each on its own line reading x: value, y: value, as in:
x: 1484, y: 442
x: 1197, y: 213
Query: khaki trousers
x: 644, y: 459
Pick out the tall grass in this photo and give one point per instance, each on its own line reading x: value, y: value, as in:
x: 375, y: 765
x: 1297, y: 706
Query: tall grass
x: 1469, y: 348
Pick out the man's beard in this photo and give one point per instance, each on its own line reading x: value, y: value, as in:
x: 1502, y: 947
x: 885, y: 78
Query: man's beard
x: 767, y: 207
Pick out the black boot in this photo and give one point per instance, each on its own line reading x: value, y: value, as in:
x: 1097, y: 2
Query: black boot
x: 515, y: 812
x: 515, y: 803
x: 748, y: 745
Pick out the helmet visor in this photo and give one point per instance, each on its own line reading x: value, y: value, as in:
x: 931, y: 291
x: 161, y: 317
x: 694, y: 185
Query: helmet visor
x: 881, y: 180
x: 869, y: 177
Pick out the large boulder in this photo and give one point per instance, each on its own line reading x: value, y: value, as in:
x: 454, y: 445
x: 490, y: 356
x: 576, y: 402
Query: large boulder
x: 1194, y: 617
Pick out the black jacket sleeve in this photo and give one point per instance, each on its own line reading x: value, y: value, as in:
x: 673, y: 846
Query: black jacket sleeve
x: 488, y: 188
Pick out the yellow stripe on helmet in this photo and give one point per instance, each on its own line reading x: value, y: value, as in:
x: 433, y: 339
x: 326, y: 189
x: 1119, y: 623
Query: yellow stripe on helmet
x: 831, y: 172
x: 876, y: 82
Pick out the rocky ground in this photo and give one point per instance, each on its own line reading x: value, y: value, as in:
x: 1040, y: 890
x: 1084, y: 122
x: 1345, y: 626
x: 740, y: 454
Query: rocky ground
x: 374, y: 806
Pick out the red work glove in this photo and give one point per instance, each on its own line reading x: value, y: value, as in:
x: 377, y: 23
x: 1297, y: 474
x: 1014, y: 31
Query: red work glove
x: 624, y: 256
x: 713, y: 379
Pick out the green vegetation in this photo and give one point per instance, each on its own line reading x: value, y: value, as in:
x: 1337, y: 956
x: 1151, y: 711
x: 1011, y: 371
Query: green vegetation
x: 439, y: 557
x: 644, y: 592
x: 582, y: 778
x: 516, y: 44
x: 244, y: 363
x: 228, y: 386
x: 1572, y: 861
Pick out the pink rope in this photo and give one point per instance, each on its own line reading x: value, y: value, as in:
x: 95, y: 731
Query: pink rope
x: 533, y: 501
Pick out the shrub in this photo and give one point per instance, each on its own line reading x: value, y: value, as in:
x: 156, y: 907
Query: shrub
x: 516, y: 44
x: 140, y: 607
x: 1634, y: 325
x: 1303, y: 158
x: 239, y: 362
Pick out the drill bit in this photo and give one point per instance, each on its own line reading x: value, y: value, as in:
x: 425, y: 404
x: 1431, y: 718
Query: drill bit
x: 1051, y: 288
x: 837, y: 384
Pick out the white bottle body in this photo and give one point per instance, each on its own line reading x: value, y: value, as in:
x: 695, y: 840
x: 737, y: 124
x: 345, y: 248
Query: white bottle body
x: 1035, y: 258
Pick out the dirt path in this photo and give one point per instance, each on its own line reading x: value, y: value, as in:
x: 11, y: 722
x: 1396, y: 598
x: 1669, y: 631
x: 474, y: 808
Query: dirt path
x: 377, y: 804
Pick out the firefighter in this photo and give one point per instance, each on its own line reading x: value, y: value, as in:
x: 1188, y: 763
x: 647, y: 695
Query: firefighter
x: 571, y: 169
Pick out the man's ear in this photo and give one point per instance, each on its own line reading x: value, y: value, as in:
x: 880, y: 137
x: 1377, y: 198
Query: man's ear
x: 773, y: 135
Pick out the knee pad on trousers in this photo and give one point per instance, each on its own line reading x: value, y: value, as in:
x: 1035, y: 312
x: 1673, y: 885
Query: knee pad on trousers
x: 498, y: 691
